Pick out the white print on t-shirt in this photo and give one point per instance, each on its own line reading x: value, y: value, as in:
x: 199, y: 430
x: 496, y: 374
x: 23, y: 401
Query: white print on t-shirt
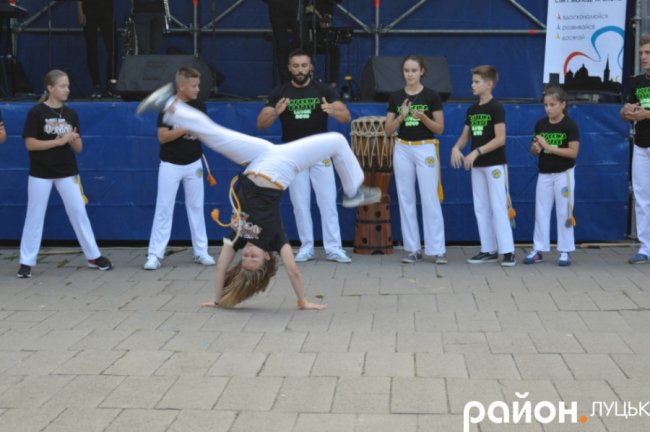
x: 187, y: 136
x: 247, y: 230
x: 57, y: 126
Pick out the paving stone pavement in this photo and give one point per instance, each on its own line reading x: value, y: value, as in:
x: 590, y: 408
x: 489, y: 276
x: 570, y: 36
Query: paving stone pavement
x: 401, y: 348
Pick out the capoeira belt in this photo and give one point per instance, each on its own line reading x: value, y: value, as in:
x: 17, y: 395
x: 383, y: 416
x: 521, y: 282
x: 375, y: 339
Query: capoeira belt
x: 77, y: 180
x: 571, y: 221
x: 511, y: 211
x: 441, y: 192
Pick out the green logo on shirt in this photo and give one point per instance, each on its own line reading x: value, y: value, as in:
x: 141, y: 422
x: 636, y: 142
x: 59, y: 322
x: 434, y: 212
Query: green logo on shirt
x: 554, y: 139
x: 643, y: 95
x: 302, y: 108
x: 409, y: 120
x: 478, y: 123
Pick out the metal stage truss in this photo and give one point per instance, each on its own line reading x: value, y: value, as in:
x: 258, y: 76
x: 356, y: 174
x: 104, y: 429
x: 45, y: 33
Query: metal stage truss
x: 195, y: 29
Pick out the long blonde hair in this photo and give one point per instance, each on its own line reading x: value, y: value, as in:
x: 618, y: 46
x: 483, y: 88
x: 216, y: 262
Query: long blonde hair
x: 50, y: 79
x: 241, y: 284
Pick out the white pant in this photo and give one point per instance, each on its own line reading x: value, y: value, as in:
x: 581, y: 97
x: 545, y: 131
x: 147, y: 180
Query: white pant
x: 38, y: 194
x: 411, y: 162
x: 641, y: 187
x: 169, y: 177
x: 280, y: 163
x: 554, y: 188
x: 321, y: 176
x: 491, y: 209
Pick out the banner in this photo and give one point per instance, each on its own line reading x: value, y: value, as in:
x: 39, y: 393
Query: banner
x: 584, y: 45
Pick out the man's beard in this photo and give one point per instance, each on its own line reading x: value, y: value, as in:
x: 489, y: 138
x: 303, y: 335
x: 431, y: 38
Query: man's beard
x: 300, y: 79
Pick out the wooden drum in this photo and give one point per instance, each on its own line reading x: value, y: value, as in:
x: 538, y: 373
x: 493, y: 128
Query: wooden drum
x: 374, y: 150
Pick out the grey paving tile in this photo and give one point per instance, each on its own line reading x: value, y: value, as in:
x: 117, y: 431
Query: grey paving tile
x: 638, y: 342
x: 484, y: 366
x: 203, y: 421
x: 284, y: 364
x: 598, y: 342
x: 238, y: 364
x: 9, y: 359
x: 308, y: 422
x: 146, y: 340
x: 305, y: 321
x: 612, y: 301
x: 306, y: 394
x: 88, y: 362
x: 556, y: 342
x: 520, y: 321
x: 534, y: 301
x: 356, y: 321
x: 188, y: 364
x: 63, y: 320
x: 440, y: 365
x: 510, y: 342
x: 76, y: 419
x: 419, y: 342
x: 28, y: 419
x: 103, y: 320
x: 418, y: 396
x: 542, y: 367
x: 139, y: 363
x: 33, y: 391
x: 362, y: 395
x: 41, y: 363
x: 477, y: 321
x: 373, y: 342
x: 435, y: 321
x: 417, y: 303
x: 193, y: 392
x: 584, y: 392
x: 593, y: 366
x: 102, y: 340
x: 448, y: 302
x: 442, y: 422
x: 573, y: 301
x: 85, y: 392
x: 387, y: 423
x: 138, y: 392
x: 288, y: 342
x: 495, y: 301
x: 389, y: 321
x: 562, y: 321
x: 389, y: 364
x: 338, y: 364
x: 636, y: 320
x: 327, y: 341
x: 634, y: 366
x: 236, y: 342
x: 191, y: 340
x: 250, y: 394
x: 607, y: 321
x: 267, y: 321
x: 256, y: 421
x: 143, y: 420
x: 226, y: 320
x: 457, y: 342
x: 462, y: 390
x: 144, y: 320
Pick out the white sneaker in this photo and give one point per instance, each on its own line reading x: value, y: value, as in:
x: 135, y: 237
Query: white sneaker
x: 156, y: 100
x: 206, y: 260
x: 304, y: 256
x: 339, y: 256
x: 153, y: 263
x: 365, y: 195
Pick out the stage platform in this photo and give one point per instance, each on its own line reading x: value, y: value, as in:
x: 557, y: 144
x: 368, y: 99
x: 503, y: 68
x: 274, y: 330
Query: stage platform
x: 119, y: 168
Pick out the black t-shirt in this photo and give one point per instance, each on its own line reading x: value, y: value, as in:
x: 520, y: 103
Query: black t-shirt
x: 481, y: 120
x: 411, y: 128
x: 148, y: 6
x: 261, y: 222
x: 303, y: 116
x: 557, y: 135
x: 183, y: 150
x: 45, y: 123
x: 640, y: 93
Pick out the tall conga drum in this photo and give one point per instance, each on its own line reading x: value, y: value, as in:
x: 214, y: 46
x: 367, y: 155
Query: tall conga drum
x: 373, y: 234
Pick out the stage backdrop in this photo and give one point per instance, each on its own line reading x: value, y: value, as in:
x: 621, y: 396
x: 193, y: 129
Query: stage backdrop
x: 584, y: 45
x: 119, y: 167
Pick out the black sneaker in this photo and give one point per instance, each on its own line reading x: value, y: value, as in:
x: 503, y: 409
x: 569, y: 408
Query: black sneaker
x: 484, y: 257
x: 102, y: 263
x: 24, y: 272
x: 156, y: 100
x: 508, y: 260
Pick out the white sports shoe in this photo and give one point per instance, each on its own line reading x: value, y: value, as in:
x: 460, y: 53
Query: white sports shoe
x: 339, y: 256
x: 304, y: 256
x: 365, y: 195
x: 153, y: 263
x: 156, y: 100
x: 206, y: 260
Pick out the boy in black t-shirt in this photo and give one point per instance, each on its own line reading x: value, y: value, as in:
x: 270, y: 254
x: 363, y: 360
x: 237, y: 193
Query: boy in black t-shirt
x: 485, y: 126
x: 180, y: 161
x: 257, y: 226
x: 637, y: 110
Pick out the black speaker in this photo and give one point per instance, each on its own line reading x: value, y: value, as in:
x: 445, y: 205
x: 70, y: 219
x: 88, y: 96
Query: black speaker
x: 383, y: 75
x: 142, y: 74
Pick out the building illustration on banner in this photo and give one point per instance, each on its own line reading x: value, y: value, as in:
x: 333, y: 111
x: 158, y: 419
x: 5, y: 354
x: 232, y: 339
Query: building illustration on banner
x: 581, y: 81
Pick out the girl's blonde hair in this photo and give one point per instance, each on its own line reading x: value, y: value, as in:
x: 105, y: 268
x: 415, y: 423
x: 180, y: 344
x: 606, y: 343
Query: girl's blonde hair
x: 241, y: 284
x: 50, y: 79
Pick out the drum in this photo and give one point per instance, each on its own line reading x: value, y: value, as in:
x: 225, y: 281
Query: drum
x: 371, y: 145
x: 374, y: 150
